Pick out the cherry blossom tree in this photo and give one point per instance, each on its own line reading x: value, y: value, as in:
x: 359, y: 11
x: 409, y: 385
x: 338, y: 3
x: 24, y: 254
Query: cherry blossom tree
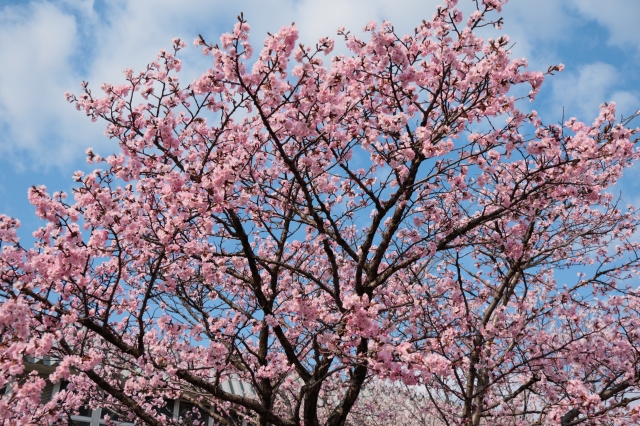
x: 314, y: 225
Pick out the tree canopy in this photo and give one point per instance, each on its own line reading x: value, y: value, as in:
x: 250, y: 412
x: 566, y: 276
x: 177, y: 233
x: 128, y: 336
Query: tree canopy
x: 318, y: 227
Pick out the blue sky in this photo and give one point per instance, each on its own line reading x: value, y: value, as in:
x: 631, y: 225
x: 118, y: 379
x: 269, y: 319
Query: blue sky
x: 48, y: 47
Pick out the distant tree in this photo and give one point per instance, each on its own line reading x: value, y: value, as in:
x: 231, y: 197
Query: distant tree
x: 392, y: 216
x: 383, y: 403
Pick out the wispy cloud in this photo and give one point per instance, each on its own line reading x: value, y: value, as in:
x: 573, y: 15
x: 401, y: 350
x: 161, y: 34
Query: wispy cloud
x: 49, y: 46
x: 579, y: 93
x: 38, y: 42
x: 619, y: 17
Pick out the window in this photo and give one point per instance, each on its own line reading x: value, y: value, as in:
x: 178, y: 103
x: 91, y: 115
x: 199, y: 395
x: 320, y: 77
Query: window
x: 192, y: 415
x: 167, y: 409
x: 47, y: 392
x: 112, y: 415
x: 88, y: 417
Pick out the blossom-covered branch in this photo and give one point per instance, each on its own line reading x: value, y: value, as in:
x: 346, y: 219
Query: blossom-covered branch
x: 311, y: 229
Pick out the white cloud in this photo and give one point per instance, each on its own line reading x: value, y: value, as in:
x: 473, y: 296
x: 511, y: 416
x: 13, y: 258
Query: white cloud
x: 619, y: 17
x: 51, y: 45
x: 37, y: 43
x: 581, y: 92
x: 536, y: 28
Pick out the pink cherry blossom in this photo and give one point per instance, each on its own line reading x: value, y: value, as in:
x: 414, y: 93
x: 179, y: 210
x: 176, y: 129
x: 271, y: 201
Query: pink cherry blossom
x: 326, y: 230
